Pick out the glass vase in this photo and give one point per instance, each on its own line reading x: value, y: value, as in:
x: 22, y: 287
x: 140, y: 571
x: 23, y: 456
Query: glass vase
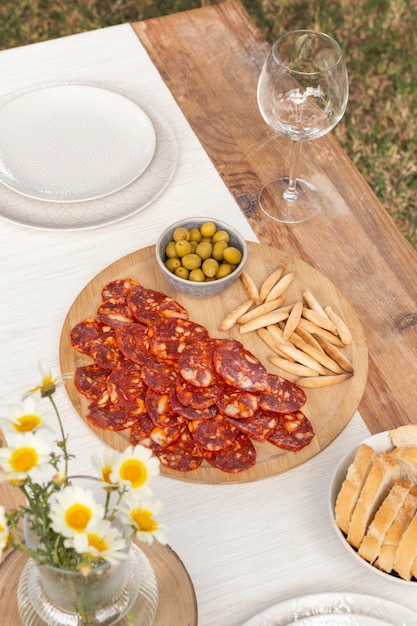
x: 68, y: 598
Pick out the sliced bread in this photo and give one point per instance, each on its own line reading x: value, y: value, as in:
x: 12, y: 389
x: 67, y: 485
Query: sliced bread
x: 383, y: 520
x: 349, y: 493
x: 404, y: 436
x: 406, y: 552
x: 407, y: 458
x: 385, y: 560
x: 382, y: 475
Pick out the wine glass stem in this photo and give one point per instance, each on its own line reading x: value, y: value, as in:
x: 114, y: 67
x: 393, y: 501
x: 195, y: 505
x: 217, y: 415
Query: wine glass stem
x: 291, y: 193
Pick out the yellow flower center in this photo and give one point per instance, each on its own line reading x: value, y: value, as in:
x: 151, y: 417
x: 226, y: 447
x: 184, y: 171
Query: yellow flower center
x: 143, y: 520
x: 105, y: 472
x: 77, y: 516
x: 97, y: 542
x: 1, y: 527
x: 133, y: 471
x: 24, y: 459
x: 27, y: 423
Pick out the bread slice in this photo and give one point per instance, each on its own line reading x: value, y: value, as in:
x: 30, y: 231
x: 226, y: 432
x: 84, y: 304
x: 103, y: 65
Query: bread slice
x: 385, y: 560
x: 383, y: 520
x: 404, y: 436
x: 382, y: 475
x: 407, y: 458
x: 407, y: 551
x: 351, y: 487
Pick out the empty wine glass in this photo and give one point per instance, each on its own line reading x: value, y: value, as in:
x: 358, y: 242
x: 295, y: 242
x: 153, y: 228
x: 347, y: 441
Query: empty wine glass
x: 302, y: 94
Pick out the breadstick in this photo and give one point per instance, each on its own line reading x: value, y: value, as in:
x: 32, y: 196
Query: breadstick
x: 285, y: 347
x: 292, y: 321
x: 317, y: 353
x: 261, y: 309
x: 269, y: 282
x: 265, y: 320
x: 317, y: 330
x: 313, y: 303
x: 232, y: 317
x: 291, y: 367
x: 322, y: 381
x: 320, y: 320
x: 250, y: 287
x: 335, y: 354
x: 280, y: 286
x: 270, y: 341
x: 307, y: 337
x: 342, y: 329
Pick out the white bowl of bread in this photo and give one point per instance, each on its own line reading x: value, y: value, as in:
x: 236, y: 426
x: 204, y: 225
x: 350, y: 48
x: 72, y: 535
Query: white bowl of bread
x: 373, y: 503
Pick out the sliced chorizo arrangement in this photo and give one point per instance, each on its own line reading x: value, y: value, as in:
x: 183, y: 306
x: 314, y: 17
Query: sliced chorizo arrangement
x: 185, y: 395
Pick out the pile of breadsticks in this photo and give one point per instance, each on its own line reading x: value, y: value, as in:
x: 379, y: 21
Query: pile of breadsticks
x: 307, y: 340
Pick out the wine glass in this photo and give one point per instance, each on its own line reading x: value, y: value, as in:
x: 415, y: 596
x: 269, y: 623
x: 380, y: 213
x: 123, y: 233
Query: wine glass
x: 302, y: 94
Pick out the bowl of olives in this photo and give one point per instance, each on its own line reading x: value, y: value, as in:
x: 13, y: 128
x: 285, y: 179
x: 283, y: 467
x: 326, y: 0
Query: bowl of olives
x: 201, y: 257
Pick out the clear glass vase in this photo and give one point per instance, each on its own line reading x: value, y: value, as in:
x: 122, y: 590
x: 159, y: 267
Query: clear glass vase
x: 67, y: 598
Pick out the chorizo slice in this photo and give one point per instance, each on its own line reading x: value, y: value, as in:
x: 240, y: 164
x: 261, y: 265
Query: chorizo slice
x: 197, y: 397
x: 187, y: 411
x: 260, y: 426
x: 84, y: 334
x: 160, y: 410
x: 293, y: 432
x: 133, y: 342
x: 159, y: 375
x: 118, y: 288
x: 148, y: 306
x: 115, y: 312
x: 126, y: 387
x: 284, y: 397
x: 195, y: 363
x: 240, y: 368
x: 169, y: 336
x: 239, y: 456
x: 184, y: 456
x: 91, y: 380
x: 110, y: 416
x: 156, y: 438
x: 105, y: 351
x: 213, y: 434
x: 240, y: 405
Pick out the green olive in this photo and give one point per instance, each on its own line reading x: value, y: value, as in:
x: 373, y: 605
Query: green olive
x: 193, y: 245
x: 170, y: 250
x: 221, y: 235
x: 210, y: 267
x: 232, y: 255
x: 218, y: 250
x: 180, y: 234
x: 182, y: 247
x: 204, y: 250
x: 191, y: 261
x: 197, y: 276
x: 195, y: 235
x: 182, y: 272
x: 224, y: 270
x: 172, y: 264
x: 208, y: 229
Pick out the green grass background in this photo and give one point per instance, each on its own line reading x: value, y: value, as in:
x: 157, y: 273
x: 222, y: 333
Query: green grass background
x: 379, y: 40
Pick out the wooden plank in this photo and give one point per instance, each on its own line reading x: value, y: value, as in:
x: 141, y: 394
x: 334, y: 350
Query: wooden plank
x: 210, y: 59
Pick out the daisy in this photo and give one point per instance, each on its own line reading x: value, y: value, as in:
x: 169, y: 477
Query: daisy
x: 28, y: 416
x: 138, y: 511
x: 74, y: 511
x: 29, y: 455
x: 135, y: 467
x: 4, y: 531
x: 49, y: 384
x: 104, y: 466
x: 101, y: 542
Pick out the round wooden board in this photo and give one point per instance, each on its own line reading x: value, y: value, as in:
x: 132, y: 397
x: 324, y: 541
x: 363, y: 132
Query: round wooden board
x: 175, y: 588
x: 328, y: 408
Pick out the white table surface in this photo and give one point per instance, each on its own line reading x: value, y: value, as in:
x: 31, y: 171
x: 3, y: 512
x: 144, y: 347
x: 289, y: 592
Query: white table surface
x: 245, y: 546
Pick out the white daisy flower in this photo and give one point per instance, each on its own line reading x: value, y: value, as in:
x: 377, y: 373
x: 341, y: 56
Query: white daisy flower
x: 74, y: 511
x: 104, y: 466
x: 28, y: 416
x: 4, y: 530
x: 138, y: 511
x: 29, y: 455
x: 135, y: 467
x: 49, y: 384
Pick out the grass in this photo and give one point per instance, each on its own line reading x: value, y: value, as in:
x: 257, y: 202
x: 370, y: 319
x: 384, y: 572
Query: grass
x: 378, y: 37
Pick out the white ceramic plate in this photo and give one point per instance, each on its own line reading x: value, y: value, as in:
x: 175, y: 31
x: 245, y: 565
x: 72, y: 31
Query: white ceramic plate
x: 71, y: 143
x: 335, y: 609
x: 109, y: 209
x: 380, y: 442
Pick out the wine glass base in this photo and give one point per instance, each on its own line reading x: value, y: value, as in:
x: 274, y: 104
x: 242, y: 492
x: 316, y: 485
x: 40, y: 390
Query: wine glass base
x: 274, y: 205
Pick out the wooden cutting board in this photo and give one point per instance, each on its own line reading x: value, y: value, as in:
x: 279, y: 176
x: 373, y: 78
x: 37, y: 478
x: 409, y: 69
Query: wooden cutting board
x: 329, y: 408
